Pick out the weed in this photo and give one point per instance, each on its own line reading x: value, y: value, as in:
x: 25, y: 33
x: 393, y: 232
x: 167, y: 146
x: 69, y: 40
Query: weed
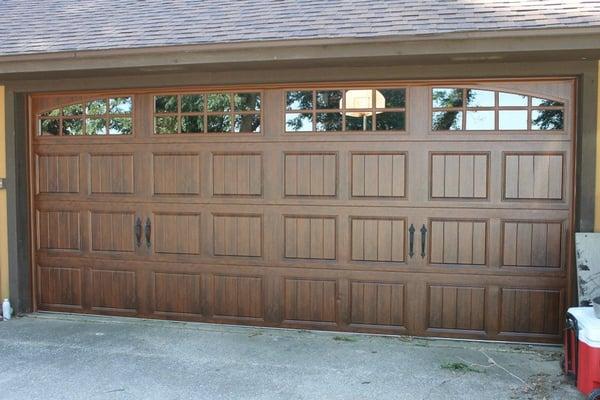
x: 459, y: 367
x: 344, y: 339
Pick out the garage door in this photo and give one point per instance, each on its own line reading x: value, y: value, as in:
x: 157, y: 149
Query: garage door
x: 437, y: 208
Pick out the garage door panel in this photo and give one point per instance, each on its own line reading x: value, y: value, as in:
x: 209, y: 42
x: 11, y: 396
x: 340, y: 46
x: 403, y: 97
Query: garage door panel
x: 57, y: 173
x: 177, y: 233
x: 112, y: 231
x: 238, y: 297
x: 455, y: 241
x: 377, y: 304
x: 176, y: 173
x: 113, y: 290
x: 59, y: 230
x: 112, y: 173
x: 238, y: 235
x: 378, y: 174
x: 459, y: 175
x: 310, y: 300
x: 237, y: 174
x: 532, y: 312
x: 533, y: 243
x: 534, y: 176
x: 310, y: 237
x: 310, y: 174
x: 60, y: 287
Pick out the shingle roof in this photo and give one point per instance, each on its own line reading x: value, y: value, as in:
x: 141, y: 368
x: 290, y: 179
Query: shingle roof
x: 46, y: 26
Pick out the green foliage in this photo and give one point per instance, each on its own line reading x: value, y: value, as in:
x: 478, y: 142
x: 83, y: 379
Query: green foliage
x: 459, y: 367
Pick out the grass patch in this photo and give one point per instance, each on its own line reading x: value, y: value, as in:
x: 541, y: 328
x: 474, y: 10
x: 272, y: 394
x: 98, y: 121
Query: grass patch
x: 344, y: 339
x: 459, y: 367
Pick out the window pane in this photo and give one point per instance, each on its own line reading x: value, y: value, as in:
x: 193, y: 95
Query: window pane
x: 247, y: 101
x: 390, y: 121
x: 49, y: 127
x: 119, y: 126
x: 219, y: 123
x: 512, y: 119
x: 95, y: 126
x: 394, y: 98
x: 218, y: 102
x: 536, y: 102
x: 547, y: 120
x: 192, y: 123
x: 120, y: 105
x: 247, y: 123
x: 329, y: 99
x: 74, y: 109
x: 447, y: 120
x: 480, y: 120
x: 444, y: 98
x: 329, y: 122
x: 362, y: 99
x: 165, y: 104
x: 354, y: 123
x: 512, y: 100
x: 52, y: 113
x: 480, y: 98
x: 72, y: 127
x: 192, y: 103
x: 96, y: 107
x: 164, y: 125
x: 299, y: 100
x: 298, y: 122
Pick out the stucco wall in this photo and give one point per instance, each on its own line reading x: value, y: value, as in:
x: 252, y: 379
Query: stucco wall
x: 3, y: 206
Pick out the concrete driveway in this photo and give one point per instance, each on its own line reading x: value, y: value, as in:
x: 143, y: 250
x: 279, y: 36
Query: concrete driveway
x: 59, y: 356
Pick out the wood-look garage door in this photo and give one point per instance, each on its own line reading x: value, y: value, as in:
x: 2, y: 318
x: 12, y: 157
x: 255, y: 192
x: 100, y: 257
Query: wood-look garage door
x: 439, y: 208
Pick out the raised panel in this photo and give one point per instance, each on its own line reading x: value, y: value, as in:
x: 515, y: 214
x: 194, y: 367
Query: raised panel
x: 378, y: 174
x: 238, y: 296
x: 378, y: 239
x: 456, y: 308
x: 177, y: 293
x: 458, y: 242
x: 531, y: 311
x: 177, y: 233
x: 113, y: 290
x: 377, y: 303
x: 533, y: 176
x: 111, y: 173
x: 310, y: 174
x: 59, y: 286
x: 532, y: 243
x: 112, y: 231
x: 58, y: 230
x: 57, y: 173
x: 176, y: 174
x: 310, y: 300
x: 237, y: 235
x: 459, y: 175
x: 310, y: 237
x: 238, y: 174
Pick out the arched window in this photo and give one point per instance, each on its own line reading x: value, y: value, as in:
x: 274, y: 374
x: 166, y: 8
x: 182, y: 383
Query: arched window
x: 98, y: 116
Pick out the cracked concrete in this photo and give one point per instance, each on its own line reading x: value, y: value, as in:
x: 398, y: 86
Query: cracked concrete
x: 62, y: 356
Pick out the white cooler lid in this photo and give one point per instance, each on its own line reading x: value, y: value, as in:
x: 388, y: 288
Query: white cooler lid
x: 588, y: 324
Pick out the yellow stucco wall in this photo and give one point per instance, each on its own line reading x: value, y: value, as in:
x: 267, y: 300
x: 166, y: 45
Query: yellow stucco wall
x: 3, y: 203
x: 597, y: 206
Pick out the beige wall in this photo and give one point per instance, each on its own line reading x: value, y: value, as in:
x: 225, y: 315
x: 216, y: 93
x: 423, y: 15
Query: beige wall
x: 597, y: 207
x: 3, y: 203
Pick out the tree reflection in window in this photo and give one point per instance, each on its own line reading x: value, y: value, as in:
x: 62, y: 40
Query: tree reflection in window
x: 103, y: 116
x: 485, y: 110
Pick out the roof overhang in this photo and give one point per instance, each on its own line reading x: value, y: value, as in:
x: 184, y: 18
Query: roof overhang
x: 465, y: 47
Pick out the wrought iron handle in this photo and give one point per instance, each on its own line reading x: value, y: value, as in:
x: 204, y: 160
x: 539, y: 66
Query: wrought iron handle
x: 148, y: 231
x: 137, y: 230
x: 411, y: 241
x: 423, y: 240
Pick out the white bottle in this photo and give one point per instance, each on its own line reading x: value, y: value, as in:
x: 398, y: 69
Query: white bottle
x: 6, y: 310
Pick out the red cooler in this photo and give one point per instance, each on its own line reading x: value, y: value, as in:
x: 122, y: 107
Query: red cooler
x: 582, y: 350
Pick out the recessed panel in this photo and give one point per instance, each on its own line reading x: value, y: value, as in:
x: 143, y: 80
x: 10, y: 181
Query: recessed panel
x: 378, y: 175
x: 237, y: 235
x: 456, y: 308
x: 377, y: 303
x: 58, y: 230
x: 111, y: 173
x: 113, y: 290
x: 237, y: 174
x: 310, y: 300
x: 463, y: 176
x: 458, y: 242
x: 57, y: 173
x: 532, y: 243
x: 238, y: 296
x: 177, y: 233
x: 531, y: 311
x: 176, y: 174
x: 378, y: 239
x: 310, y: 237
x: 112, y: 231
x: 177, y: 293
x: 310, y: 174
x: 59, y: 286
x: 533, y: 176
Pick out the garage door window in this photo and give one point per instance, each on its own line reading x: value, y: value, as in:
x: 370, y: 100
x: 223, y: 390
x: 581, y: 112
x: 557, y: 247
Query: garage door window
x: 103, y: 116
x: 345, y: 110
x: 487, y: 110
x: 207, y: 113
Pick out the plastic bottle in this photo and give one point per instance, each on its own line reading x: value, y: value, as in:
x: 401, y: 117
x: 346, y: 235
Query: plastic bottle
x: 6, y: 310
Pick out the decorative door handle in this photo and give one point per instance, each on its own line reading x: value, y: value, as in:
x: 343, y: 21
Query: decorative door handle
x: 411, y: 241
x: 148, y: 231
x: 423, y: 240
x: 137, y: 231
